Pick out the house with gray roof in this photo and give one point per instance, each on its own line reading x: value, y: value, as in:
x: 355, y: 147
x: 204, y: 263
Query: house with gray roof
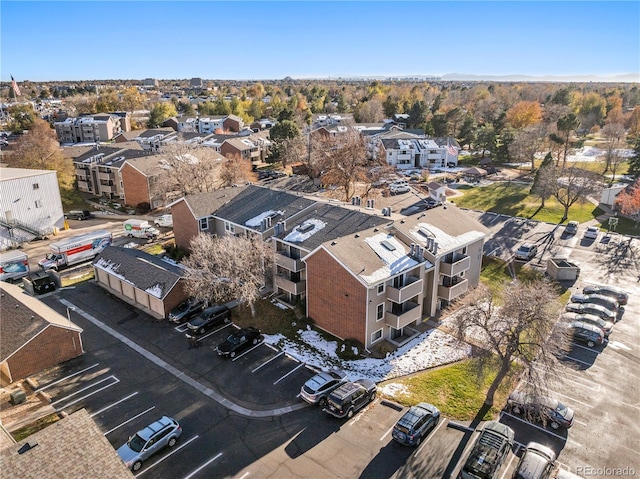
x: 141, y: 279
x: 70, y: 448
x: 34, y: 336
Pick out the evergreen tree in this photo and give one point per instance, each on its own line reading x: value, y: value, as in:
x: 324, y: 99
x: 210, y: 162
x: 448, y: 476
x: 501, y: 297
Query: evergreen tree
x: 634, y: 161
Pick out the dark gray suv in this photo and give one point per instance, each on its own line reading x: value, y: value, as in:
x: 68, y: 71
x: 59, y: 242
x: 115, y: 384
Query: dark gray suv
x: 350, y: 398
x: 488, y: 452
x: 416, y: 423
x: 209, y: 319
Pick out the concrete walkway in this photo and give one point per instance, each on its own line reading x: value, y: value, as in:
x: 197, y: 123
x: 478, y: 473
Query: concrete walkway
x: 179, y: 374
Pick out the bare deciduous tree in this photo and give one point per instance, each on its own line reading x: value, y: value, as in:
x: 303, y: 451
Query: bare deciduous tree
x: 343, y: 161
x: 236, y: 170
x: 614, y: 134
x: 514, y: 328
x: 185, y: 169
x: 527, y: 143
x: 572, y: 185
x: 222, y: 269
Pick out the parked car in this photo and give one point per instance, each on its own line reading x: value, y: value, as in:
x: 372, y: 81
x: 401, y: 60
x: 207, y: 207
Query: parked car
x: 541, y: 408
x: 415, y: 424
x: 488, y: 452
x: 156, y: 436
x: 238, y: 341
x: 317, y: 389
x: 526, y: 252
x: 186, y: 310
x: 606, y: 301
x: 165, y: 221
x: 400, y: 186
x: 590, y: 308
x: 572, y: 227
x: 592, y: 232
x: 587, y: 333
x: 209, y: 319
x: 537, y: 462
x: 349, y: 398
x: 606, y: 326
x: 618, y: 294
x: 78, y: 215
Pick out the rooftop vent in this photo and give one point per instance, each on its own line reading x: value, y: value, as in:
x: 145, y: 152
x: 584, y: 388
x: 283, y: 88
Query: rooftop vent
x: 388, y: 245
x: 303, y: 228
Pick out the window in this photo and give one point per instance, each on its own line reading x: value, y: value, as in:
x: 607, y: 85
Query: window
x: 229, y: 227
x: 381, y: 288
x: 38, y: 204
x: 380, y: 312
x: 36, y: 186
x: 464, y: 250
x: 376, y: 335
x: 204, y: 224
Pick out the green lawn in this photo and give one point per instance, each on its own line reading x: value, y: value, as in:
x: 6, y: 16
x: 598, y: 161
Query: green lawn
x: 514, y: 200
x: 456, y: 390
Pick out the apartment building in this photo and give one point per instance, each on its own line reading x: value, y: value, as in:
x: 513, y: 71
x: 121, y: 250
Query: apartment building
x: 211, y: 124
x: 88, y: 129
x: 406, y: 151
x: 364, y: 275
x: 254, y: 148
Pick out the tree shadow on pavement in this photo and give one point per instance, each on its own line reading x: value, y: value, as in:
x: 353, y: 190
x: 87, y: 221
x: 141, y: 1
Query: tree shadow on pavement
x: 617, y: 256
x: 457, y: 455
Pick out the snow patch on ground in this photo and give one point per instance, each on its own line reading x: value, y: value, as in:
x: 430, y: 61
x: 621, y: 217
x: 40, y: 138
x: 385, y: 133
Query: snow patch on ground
x: 427, y: 350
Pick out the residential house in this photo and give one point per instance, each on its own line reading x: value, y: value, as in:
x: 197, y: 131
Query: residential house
x: 474, y: 174
x: 34, y: 336
x: 70, y: 448
x: 30, y: 205
x: 141, y: 279
x: 125, y: 136
x: 262, y: 124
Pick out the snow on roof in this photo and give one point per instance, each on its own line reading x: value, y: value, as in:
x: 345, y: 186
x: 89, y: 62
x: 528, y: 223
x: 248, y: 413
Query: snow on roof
x: 305, y: 230
x: 112, y: 268
x: 257, y: 220
x: 392, y: 253
x: 445, y: 241
x: 155, y: 290
x: 429, y: 349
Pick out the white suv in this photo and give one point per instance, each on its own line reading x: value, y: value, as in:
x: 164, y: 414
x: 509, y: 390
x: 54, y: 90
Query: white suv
x: 165, y: 221
x: 400, y: 186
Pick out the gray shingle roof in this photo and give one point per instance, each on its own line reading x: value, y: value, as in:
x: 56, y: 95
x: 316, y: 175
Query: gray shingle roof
x: 255, y: 200
x: 205, y: 204
x: 145, y: 271
x: 337, y: 222
x: 23, y: 317
x: 71, y: 448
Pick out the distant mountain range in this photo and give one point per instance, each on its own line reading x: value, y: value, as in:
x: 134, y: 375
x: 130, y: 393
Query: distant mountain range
x: 621, y: 78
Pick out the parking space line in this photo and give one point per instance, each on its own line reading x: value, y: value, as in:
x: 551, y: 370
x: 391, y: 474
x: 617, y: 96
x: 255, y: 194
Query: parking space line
x: 508, y: 466
x: 204, y: 336
x: 301, y: 365
x: 579, y: 422
x: 388, y: 431
x: 129, y: 420
x: 570, y: 358
x: 114, y: 404
x: 504, y: 413
x: 592, y: 386
x: 433, y: 433
x: 268, y: 361
x: 244, y: 475
x: 173, y: 451
x: 573, y: 399
x: 203, y: 466
x: 115, y: 379
x: 65, y: 378
x: 465, y: 453
x: 247, y: 351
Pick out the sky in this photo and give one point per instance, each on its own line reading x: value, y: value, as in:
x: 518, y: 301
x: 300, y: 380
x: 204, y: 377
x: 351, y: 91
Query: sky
x: 93, y: 40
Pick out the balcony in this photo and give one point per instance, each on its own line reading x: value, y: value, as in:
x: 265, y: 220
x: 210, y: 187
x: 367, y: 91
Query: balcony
x: 286, y: 284
x: 406, y: 156
x: 452, y: 292
x: 106, y: 176
x: 410, y: 312
x: 455, y: 266
x: 82, y: 172
x: 293, y: 265
x: 411, y: 288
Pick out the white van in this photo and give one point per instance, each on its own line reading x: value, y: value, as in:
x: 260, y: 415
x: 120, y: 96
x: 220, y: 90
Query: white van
x: 139, y: 229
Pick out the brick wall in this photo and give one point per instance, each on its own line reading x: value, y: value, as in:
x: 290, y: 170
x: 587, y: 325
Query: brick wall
x: 185, y: 226
x: 229, y: 151
x: 136, y: 187
x: 336, y: 301
x: 52, y: 346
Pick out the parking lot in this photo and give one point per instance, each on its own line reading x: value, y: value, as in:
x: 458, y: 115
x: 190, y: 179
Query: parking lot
x: 242, y: 417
